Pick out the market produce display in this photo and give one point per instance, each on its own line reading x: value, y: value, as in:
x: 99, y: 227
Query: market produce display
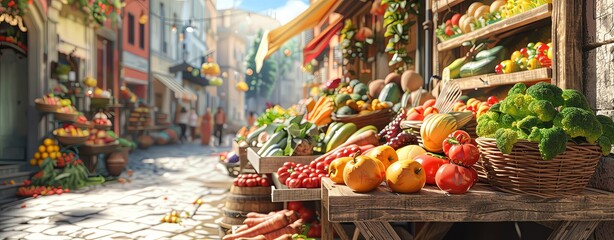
x: 48, y: 149
x: 479, y: 15
x: 71, y: 131
x: 294, y: 137
x: 535, y: 55
x: 547, y: 115
x: 475, y: 106
x: 99, y: 138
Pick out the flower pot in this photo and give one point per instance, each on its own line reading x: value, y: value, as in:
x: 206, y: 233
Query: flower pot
x: 116, y: 162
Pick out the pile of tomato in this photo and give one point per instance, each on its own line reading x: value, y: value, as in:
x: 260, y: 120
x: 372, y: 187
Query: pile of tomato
x: 296, y: 175
x: 252, y: 180
x: 453, y: 173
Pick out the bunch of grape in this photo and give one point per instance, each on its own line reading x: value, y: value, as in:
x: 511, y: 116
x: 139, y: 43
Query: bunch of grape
x: 402, y: 139
x: 393, y: 128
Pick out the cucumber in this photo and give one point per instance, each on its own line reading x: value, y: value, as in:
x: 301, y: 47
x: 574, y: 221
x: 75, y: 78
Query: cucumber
x: 268, y: 151
x: 272, y: 140
x: 253, y: 135
x: 331, y: 133
x: 340, y: 136
x: 282, y: 144
x: 484, y: 66
x: 364, y: 129
x: 455, y: 67
x: 276, y: 152
x: 497, y: 51
x: 332, y: 126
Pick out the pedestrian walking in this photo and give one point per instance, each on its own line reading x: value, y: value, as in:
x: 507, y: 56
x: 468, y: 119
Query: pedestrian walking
x: 182, y: 121
x: 193, y: 124
x: 220, y: 120
x: 205, y: 127
x: 251, y: 119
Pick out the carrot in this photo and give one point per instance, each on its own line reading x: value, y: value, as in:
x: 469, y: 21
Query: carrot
x: 260, y: 215
x: 250, y: 222
x: 259, y: 237
x: 241, y: 228
x: 363, y: 139
x: 290, y: 229
x: 276, y: 222
x: 284, y: 237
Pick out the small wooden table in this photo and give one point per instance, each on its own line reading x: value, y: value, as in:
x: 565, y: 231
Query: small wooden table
x: 576, y: 216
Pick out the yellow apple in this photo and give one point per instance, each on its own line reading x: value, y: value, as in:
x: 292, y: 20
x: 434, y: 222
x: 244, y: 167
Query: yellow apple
x: 384, y: 154
x: 409, y: 152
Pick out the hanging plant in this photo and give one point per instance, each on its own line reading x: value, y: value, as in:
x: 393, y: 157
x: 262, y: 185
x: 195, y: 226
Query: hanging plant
x: 355, y: 43
x: 13, y: 7
x: 398, y: 24
x: 99, y: 10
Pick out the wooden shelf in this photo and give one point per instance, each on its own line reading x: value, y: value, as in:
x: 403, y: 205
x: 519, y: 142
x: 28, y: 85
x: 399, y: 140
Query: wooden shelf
x: 271, y: 164
x: 491, y: 80
x: 444, y: 4
x: 281, y: 193
x: 505, y: 25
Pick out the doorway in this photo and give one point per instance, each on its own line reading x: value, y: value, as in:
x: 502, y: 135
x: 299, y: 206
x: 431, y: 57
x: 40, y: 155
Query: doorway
x: 13, y: 94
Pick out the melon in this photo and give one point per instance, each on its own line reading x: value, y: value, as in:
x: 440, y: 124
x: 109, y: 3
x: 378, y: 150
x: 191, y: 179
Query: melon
x: 411, y: 81
x: 145, y: 141
x: 391, y: 93
x: 393, y: 77
x: 375, y: 87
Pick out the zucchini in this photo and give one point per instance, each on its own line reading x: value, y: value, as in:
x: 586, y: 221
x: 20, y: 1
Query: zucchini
x: 484, y: 66
x: 272, y: 140
x: 253, y: 135
x: 498, y: 51
x: 268, y: 151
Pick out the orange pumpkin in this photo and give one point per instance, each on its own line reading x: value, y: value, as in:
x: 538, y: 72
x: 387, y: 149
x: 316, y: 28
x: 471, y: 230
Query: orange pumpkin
x: 363, y: 173
x: 336, y: 167
x: 405, y: 176
x: 385, y: 154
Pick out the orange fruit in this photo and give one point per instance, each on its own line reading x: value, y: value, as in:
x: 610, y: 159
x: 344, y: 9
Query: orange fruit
x: 57, y: 148
x: 40, y: 162
x: 52, y: 155
x: 41, y: 148
x: 37, y: 155
x: 51, y: 149
x: 48, y: 142
x: 33, y: 162
x: 44, y: 156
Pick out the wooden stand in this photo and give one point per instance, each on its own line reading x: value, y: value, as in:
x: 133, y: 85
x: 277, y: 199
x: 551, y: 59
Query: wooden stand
x: 371, y: 212
x: 271, y: 164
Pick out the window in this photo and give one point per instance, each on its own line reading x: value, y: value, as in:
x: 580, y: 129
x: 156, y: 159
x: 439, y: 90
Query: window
x: 163, y: 28
x: 142, y: 36
x: 131, y: 28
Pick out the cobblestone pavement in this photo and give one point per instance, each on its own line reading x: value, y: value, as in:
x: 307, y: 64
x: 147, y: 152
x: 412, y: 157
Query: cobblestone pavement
x: 164, y: 178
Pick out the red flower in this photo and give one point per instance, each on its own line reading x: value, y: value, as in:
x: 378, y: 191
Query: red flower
x: 11, y: 4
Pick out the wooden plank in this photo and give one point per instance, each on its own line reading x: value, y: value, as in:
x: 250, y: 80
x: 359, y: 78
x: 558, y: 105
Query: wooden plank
x: 433, y: 231
x: 567, y: 40
x: 271, y: 164
x: 491, y: 80
x: 574, y: 230
x: 520, y: 20
x: 480, y: 204
x: 442, y: 5
x: 327, y: 227
x: 377, y: 230
x: 340, y: 231
x: 282, y: 193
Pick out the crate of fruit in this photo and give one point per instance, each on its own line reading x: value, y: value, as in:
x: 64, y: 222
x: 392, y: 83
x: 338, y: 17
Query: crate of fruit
x: 270, y: 164
x: 71, y: 135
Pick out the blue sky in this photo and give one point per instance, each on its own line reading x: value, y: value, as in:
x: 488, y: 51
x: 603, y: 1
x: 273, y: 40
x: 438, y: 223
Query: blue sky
x: 284, y: 10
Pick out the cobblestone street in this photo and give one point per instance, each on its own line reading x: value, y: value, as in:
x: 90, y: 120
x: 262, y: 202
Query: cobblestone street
x: 164, y: 178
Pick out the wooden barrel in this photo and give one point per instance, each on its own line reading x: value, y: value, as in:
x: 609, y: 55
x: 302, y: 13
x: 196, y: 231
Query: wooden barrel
x: 242, y: 200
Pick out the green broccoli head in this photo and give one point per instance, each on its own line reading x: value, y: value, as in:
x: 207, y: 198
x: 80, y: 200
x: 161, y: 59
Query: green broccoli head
x: 608, y: 126
x: 577, y: 122
x: 507, y: 121
x: 518, y: 88
x: 552, y: 142
x: 496, y: 107
x: 535, y: 135
x: 490, y: 115
x: 605, y: 144
x: 506, y: 138
x: 543, y: 110
x: 527, y: 124
x: 574, y: 98
x: 548, y: 92
x: 487, y: 128
x: 517, y: 105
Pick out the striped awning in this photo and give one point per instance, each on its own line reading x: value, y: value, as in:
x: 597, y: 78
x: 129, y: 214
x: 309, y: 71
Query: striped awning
x: 320, y: 42
x: 179, y: 91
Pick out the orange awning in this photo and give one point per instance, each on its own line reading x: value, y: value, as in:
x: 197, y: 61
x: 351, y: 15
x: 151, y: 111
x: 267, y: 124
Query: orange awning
x: 274, y: 39
x: 319, y: 43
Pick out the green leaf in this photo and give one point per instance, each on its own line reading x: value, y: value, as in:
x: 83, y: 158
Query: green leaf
x: 62, y: 175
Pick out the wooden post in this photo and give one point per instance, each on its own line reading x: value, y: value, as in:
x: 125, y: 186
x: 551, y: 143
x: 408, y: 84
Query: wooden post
x: 574, y: 230
x: 567, y: 41
x: 327, y: 227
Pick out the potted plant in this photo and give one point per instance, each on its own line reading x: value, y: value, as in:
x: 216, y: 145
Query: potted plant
x: 62, y: 72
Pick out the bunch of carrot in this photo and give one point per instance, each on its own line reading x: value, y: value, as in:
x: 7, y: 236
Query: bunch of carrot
x: 275, y: 225
x: 321, y: 113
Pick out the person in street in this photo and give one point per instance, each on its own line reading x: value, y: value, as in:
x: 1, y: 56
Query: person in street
x: 182, y: 121
x: 220, y: 120
x: 251, y: 119
x: 205, y: 128
x: 193, y: 123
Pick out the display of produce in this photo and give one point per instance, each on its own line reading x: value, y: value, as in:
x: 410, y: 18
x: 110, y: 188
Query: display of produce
x: 252, y: 180
x: 535, y: 55
x: 51, y: 99
x: 545, y: 114
x: 295, y: 139
x: 101, y: 119
x: 69, y: 130
x: 68, y: 109
x: 48, y: 149
x: 99, y: 138
x: 475, y: 106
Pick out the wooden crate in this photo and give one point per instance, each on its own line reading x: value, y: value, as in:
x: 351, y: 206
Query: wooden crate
x: 281, y: 193
x: 271, y: 164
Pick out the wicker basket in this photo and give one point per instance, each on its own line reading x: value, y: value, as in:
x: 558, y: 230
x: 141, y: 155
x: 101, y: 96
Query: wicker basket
x: 95, y: 149
x: 415, y: 126
x: 524, y: 171
x: 67, y: 117
x: 379, y: 118
x: 70, y: 140
x: 83, y: 125
x: 470, y: 128
x: 41, y: 107
x: 101, y: 127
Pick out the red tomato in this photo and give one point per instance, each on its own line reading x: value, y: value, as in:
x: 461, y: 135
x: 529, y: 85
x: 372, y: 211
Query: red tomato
x: 448, y: 30
x: 455, y: 179
x: 317, y: 181
x: 321, y: 175
x: 524, y: 52
x: 308, y: 183
x: 265, y: 182
x: 293, y: 183
x: 431, y: 163
x: 289, y: 164
x: 295, y: 206
x: 475, y: 175
x: 448, y: 22
x: 464, y: 154
x: 283, y: 176
x: 294, y: 174
x: 460, y: 136
x: 499, y: 69
x: 242, y: 182
x: 302, y: 176
x: 313, y: 164
x: 315, y: 231
x: 492, y: 100
x: 235, y: 182
x: 250, y: 182
x: 258, y: 179
x: 328, y: 161
x: 318, y: 171
x: 455, y: 18
x: 321, y: 166
x: 307, y: 214
x: 307, y: 171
